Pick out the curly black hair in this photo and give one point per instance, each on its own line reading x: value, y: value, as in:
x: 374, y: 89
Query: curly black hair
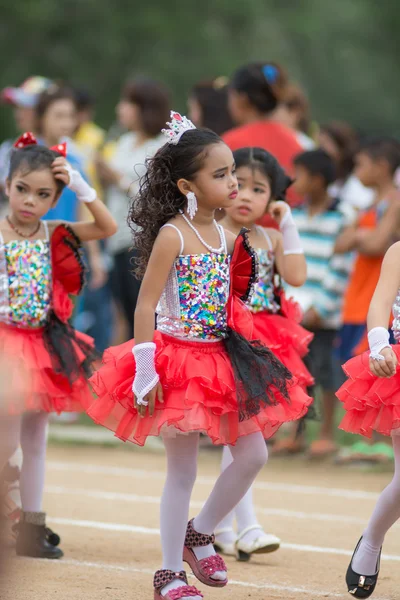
x: 159, y: 198
x: 258, y: 158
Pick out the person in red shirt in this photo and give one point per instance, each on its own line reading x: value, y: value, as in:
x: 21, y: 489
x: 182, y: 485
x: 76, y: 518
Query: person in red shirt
x: 255, y: 92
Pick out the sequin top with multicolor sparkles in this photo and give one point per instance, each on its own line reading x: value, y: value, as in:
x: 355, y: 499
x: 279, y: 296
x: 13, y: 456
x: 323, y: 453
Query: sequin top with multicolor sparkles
x: 29, y: 282
x: 263, y: 298
x: 193, y: 303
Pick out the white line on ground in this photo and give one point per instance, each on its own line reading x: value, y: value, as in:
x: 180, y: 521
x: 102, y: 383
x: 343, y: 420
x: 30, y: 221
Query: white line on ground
x: 270, y: 512
x: 122, y: 527
x: 259, y: 485
x: 311, y: 593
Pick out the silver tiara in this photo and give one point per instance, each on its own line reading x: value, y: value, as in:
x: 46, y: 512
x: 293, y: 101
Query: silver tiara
x: 177, y: 127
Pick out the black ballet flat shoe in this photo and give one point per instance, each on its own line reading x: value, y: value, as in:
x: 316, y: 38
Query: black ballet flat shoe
x: 33, y: 538
x: 362, y: 586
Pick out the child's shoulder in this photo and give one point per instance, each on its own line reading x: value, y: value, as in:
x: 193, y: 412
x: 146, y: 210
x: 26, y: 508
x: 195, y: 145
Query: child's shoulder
x: 271, y: 235
x: 393, y: 253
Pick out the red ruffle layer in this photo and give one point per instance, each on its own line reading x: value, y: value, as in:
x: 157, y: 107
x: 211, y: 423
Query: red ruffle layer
x: 199, y: 395
x: 371, y: 403
x: 288, y: 340
x: 29, y: 382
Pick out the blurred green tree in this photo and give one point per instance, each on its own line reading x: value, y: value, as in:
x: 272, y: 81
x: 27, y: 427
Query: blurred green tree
x: 345, y: 53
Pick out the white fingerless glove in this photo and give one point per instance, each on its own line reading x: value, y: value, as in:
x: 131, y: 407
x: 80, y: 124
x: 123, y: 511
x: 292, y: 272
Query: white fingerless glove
x: 378, y: 339
x: 82, y: 189
x: 291, y: 238
x: 146, y: 377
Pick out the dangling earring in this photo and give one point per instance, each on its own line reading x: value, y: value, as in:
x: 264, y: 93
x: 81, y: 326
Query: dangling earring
x: 191, y: 205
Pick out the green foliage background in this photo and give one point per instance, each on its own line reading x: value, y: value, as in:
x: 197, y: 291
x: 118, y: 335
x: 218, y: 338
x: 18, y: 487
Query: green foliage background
x: 344, y: 52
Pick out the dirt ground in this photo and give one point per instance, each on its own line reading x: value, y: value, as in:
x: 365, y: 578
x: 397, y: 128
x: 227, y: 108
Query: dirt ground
x: 105, y: 502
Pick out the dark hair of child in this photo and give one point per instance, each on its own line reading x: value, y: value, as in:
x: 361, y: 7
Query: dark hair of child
x: 383, y: 148
x: 261, y: 160
x: 159, y: 198
x: 264, y: 84
x: 318, y: 162
x: 212, y: 97
x: 346, y: 140
x: 33, y: 158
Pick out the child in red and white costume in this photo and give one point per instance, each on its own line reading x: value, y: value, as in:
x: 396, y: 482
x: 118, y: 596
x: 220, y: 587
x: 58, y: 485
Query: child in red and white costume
x: 198, y: 372
x: 262, y: 186
x: 371, y: 399
x: 48, y: 363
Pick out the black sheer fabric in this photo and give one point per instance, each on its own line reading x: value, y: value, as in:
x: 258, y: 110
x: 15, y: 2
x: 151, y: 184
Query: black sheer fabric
x: 60, y: 340
x: 258, y: 374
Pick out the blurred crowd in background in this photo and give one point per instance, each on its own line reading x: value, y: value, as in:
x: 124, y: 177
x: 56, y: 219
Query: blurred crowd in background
x: 341, y: 199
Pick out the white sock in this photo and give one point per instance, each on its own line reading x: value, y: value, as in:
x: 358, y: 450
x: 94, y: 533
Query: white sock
x: 181, y: 452
x: 33, y: 444
x: 249, y: 456
x: 386, y: 513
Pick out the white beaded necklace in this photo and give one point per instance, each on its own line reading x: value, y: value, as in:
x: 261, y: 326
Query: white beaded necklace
x: 210, y: 248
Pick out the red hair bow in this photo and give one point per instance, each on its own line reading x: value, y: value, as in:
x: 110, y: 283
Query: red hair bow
x: 26, y: 139
x: 61, y: 149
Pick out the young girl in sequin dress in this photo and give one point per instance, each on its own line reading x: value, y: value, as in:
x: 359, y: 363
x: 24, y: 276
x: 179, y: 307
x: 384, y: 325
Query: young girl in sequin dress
x: 44, y: 362
x: 262, y: 183
x: 371, y: 399
x: 198, y: 372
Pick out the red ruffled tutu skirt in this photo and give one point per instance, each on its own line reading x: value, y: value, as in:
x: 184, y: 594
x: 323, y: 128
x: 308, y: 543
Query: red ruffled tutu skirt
x: 288, y: 340
x: 28, y: 380
x: 199, y: 395
x: 371, y: 403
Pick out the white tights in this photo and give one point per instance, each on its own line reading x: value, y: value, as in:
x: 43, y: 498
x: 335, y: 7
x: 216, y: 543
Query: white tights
x: 249, y: 456
x: 386, y: 513
x: 29, y: 431
x: 244, y: 511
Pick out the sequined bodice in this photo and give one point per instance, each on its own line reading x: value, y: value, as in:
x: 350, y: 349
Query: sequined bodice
x: 29, y: 281
x: 193, y: 303
x: 262, y: 298
x: 396, y: 320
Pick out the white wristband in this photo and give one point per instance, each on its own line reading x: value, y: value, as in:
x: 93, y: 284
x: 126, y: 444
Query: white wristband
x: 146, y: 377
x: 378, y: 338
x: 82, y: 189
x: 291, y: 237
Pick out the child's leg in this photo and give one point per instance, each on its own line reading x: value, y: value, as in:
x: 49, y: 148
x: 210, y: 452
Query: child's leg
x: 181, y: 454
x: 33, y: 444
x: 227, y: 535
x: 244, y: 512
x: 249, y: 456
x: 386, y: 513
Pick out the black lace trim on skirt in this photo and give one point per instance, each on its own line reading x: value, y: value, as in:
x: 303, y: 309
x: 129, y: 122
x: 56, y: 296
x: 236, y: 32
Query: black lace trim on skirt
x: 58, y: 339
x: 258, y: 375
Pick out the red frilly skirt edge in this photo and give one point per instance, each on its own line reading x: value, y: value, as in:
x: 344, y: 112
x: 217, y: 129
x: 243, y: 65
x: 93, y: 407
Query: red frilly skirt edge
x: 28, y: 380
x: 371, y: 403
x: 199, y: 395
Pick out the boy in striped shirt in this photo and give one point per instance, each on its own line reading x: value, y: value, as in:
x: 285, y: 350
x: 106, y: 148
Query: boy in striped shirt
x: 319, y: 223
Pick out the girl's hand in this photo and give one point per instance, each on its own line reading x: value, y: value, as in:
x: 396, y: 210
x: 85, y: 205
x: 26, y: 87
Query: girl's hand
x: 61, y: 170
x: 150, y: 398
x: 384, y: 368
x: 278, y: 209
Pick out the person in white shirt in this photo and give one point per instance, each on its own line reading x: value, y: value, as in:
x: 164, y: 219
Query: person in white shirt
x: 340, y: 141
x: 142, y: 110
